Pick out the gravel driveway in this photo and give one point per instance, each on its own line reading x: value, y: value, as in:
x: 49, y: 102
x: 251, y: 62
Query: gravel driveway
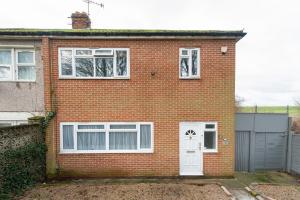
x: 166, y: 191
x: 279, y: 192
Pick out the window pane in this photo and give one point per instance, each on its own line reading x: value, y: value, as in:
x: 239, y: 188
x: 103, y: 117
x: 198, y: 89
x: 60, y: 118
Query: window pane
x: 121, y: 63
x: 5, y: 57
x: 84, y: 67
x: 68, y: 140
x: 184, y: 52
x: 90, y: 126
x: 25, y: 57
x: 84, y: 52
x: 26, y: 73
x: 4, y: 72
x: 194, y: 62
x: 210, y: 139
x: 104, y: 67
x: 104, y: 52
x: 122, y: 140
x: 91, y: 140
x: 145, y: 137
x: 184, y: 67
x: 122, y: 126
x: 66, y: 62
x: 209, y: 126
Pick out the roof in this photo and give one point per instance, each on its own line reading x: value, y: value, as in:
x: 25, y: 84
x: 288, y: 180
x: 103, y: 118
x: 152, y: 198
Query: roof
x: 122, y: 33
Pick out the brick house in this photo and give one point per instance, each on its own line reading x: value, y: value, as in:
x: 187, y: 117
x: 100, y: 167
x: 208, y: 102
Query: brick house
x: 138, y: 102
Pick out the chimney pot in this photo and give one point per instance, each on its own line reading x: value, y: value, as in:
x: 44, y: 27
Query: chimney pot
x: 80, y: 20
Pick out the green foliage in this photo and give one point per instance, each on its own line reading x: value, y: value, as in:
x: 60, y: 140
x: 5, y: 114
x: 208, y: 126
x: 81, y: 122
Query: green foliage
x: 292, y: 110
x: 24, y: 166
x: 44, y: 122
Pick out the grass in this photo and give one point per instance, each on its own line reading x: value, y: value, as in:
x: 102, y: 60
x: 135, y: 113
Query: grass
x: 292, y: 110
x: 272, y: 177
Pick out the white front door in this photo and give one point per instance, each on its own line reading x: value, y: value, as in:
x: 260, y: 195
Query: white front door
x: 191, y: 148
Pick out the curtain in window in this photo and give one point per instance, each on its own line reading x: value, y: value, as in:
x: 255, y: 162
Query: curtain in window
x: 90, y: 126
x: 68, y: 140
x: 26, y: 73
x: 122, y: 140
x: 4, y: 72
x: 25, y: 57
x: 91, y: 140
x: 122, y: 126
x: 5, y: 57
x: 145, y: 137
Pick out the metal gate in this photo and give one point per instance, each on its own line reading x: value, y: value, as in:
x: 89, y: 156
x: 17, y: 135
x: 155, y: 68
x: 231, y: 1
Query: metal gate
x: 261, y: 141
x: 270, y: 150
x: 242, y: 150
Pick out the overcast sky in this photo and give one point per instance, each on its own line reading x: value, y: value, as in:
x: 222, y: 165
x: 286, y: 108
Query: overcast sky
x: 268, y: 58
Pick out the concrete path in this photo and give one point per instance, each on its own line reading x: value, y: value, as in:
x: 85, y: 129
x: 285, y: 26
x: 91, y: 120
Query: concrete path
x: 241, y: 194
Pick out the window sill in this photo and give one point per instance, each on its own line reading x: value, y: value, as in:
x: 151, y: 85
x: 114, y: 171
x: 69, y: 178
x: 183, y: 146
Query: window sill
x: 18, y: 81
x: 94, y: 78
x: 107, y: 152
x: 189, y: 78
x: 210, y: 151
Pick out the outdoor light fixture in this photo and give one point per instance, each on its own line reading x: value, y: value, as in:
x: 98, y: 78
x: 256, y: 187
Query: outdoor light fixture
x: 224, y: 50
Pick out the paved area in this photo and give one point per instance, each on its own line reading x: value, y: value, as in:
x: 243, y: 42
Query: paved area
x: 241, y: 194
x: 266, y: 180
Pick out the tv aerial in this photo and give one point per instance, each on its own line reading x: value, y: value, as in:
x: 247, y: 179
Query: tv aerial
x: 101, y: 5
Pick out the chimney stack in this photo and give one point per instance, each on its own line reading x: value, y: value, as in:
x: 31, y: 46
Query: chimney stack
x: 80, y: 20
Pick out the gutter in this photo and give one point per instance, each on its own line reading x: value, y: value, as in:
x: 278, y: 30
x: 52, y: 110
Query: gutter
x: 122, y: 37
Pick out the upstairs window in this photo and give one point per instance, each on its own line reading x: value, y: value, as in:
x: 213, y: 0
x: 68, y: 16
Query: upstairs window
x: 17, y: 65
x: 189, y: 64
x: 104, y: 63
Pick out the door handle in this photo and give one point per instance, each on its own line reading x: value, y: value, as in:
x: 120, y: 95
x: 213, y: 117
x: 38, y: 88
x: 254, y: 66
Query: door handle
x: 200, y: 146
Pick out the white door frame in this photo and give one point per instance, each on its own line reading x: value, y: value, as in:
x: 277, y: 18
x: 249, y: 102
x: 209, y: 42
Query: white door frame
x: 195, y: 147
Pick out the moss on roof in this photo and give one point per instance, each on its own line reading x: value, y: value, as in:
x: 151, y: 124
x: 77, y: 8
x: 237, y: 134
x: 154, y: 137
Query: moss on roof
x: 118, y: 32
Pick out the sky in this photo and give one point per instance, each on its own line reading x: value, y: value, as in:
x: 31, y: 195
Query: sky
x: 267, y: 58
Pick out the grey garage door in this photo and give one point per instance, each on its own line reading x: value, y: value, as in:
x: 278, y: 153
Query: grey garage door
x: 242, y: 150
x: 261, y: 141
x: 270, y: 150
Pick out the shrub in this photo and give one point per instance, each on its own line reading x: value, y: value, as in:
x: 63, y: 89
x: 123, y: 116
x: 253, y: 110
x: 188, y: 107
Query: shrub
x: 22, y: 167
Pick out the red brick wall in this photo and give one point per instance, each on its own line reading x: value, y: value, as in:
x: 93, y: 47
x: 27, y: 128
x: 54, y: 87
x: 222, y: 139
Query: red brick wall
x: 163, y: 99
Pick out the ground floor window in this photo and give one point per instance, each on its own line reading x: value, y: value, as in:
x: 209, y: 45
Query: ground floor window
x: 210, y: 137
x: 106, y: 137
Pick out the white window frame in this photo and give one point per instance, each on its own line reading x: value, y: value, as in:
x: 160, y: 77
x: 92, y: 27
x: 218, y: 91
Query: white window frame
x: 106, y: 130
x: 190, y: 76
x: 73, y: 75
x: 14, y: 65
x: 211, y: 129
x: 17, y: 64
x: 11, y: 66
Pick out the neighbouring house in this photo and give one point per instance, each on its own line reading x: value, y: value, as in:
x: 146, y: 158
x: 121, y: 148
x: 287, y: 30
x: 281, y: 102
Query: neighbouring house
x: 21, y: 79
x: 138, y: 102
